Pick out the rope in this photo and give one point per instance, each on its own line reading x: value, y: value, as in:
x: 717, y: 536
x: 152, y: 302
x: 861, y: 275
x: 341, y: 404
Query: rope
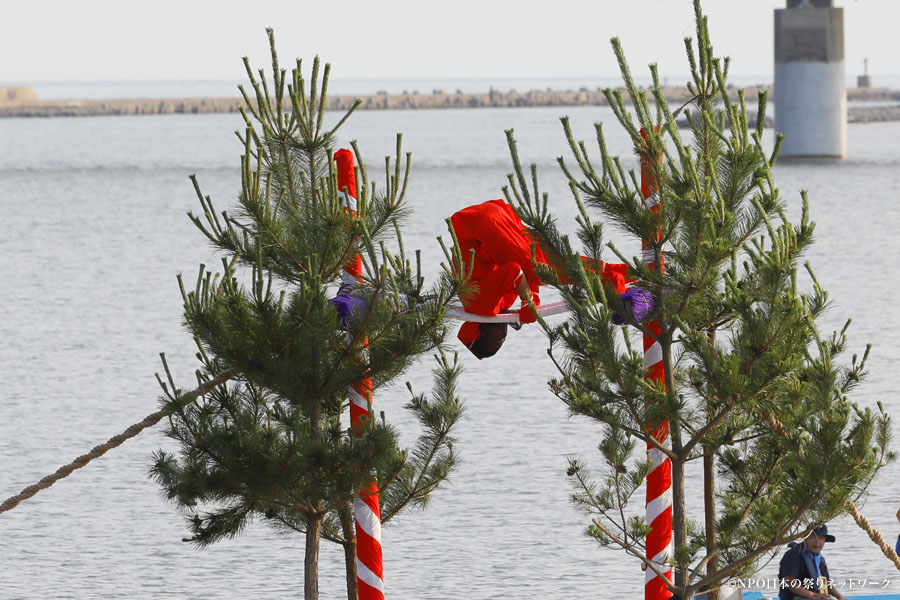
x: 545, y: 310
x: 874, y: 534
x: 117, y: 440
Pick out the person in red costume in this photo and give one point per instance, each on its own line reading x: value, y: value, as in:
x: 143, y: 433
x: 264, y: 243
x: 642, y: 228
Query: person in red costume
x: 502, y: 271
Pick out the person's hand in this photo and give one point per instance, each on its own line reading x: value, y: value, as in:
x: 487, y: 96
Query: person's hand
x: 348, y: 307
x: 638, y: 304
x: 526, y: 314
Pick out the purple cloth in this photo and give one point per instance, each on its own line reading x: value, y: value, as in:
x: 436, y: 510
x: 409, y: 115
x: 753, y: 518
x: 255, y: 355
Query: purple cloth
x: 348, y: 307
x: 638, y: 303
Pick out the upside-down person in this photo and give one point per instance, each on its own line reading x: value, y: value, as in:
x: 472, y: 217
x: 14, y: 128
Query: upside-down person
x: 502, y: 271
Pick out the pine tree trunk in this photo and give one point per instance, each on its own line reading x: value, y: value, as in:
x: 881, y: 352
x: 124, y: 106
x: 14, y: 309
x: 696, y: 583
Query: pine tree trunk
x: 314, y: 522
x: 679, y: 522
x: 679, y: 508
x: 709, y: 507
x: 311, y: 561
x: 709, y: 499
x: 349, y: 528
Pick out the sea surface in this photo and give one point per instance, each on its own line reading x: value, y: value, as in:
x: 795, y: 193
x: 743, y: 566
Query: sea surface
x: 94, y: 232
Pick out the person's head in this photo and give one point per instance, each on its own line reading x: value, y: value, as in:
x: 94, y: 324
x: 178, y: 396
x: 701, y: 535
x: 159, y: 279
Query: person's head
x: 483, y: 339
x: 816, y: 540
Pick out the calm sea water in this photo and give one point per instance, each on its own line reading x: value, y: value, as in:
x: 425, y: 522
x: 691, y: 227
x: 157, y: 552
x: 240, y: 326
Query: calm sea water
x: 94, y: 232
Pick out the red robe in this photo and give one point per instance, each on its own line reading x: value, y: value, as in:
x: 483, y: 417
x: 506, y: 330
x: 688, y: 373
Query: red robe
x: 502, y: 248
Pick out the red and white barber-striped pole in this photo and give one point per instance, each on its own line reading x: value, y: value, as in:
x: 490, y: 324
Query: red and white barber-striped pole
x: 659, y: 480
x: 367, y: 510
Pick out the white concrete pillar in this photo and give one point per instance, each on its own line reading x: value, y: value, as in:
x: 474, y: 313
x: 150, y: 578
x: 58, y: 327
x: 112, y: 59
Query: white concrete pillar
x: 810, y: 89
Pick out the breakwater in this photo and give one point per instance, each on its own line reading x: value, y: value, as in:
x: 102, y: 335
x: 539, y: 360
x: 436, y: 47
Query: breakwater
x: 22, y: 102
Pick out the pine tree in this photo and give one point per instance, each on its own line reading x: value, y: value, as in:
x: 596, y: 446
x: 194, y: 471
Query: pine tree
x: 753, y: 389
x: 270, y: 443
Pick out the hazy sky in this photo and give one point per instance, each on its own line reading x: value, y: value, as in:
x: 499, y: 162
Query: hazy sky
x: 112, y: 40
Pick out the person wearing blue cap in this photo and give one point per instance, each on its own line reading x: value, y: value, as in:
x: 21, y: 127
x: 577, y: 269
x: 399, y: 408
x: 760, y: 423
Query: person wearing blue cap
x: 898, y: 537
x: 803, y: 573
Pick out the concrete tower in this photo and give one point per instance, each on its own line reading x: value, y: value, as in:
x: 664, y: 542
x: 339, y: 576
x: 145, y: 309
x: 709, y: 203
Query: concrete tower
x: 810, y: 90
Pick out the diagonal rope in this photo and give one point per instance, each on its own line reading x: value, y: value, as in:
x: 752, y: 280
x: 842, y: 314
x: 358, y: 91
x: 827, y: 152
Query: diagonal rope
x: 154, y: 418
x: 117, y: 440
x: 874, y: 534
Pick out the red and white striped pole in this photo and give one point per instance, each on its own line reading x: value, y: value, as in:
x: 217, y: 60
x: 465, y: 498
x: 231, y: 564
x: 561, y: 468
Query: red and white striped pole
x: 366, y: 508
x: 659, y: 480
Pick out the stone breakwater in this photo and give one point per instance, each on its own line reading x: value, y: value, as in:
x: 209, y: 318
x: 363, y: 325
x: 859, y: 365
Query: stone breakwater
x: 22, y: 102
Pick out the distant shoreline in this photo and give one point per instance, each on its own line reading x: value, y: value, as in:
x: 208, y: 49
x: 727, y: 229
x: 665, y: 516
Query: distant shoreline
x: 22, y: 102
